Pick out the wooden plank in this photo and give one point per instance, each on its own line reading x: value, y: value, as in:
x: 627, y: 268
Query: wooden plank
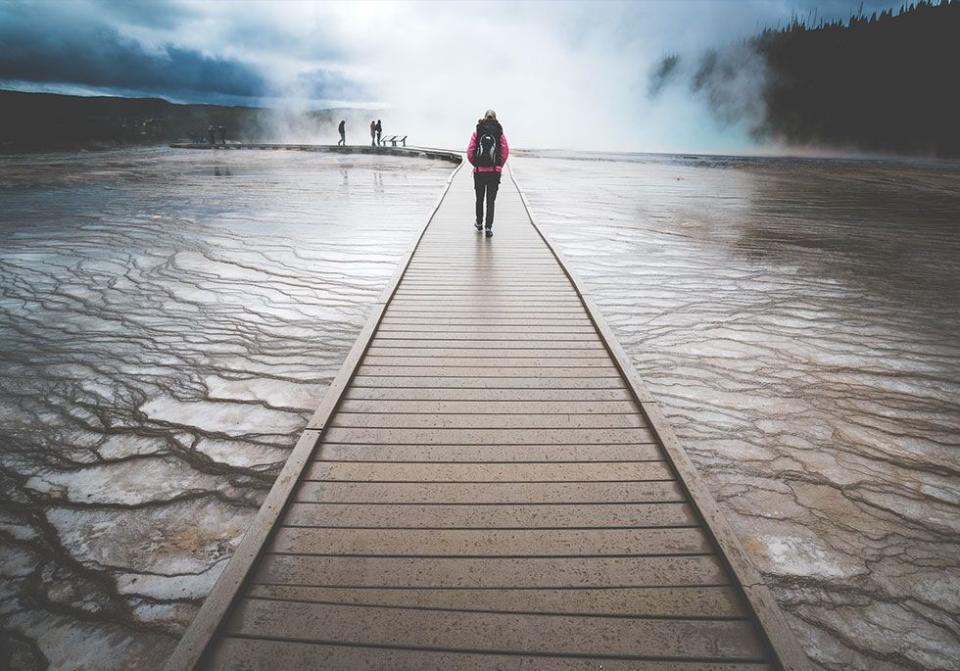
x: 503, y: 361
x: 681, y: 602
x: 497, y: 332
x: 484, y: 298
x: 456, y: 338
x: 511, y: 278
x: 500, y: 632
x: 489, y: 371
x: 492, y: 284
x: 442, y: 257
x: 492, y: 311
x: 511, y: 330
x: 495, y: 516
x: 575, y: 395
x: 398, y: 436
x: 503, y: 297
x: 506, y: 305
x: 487, y: 312
x: 435, y: 255
x: 247, y: 654
x: 504, y: 453
x: 489, y: 345
x: 498, y: 572
x: 483, y: 420
x: 475, y: 382
x: 562, y: 291
x: 383, y: 351
x: 407, y: 493
x: 361, y: 471
x: 509, y: 266
x: 489, y: 407
x: 486, y: 543
x: 491, y: 280
x: 482, y: 319
x: 501, y: 259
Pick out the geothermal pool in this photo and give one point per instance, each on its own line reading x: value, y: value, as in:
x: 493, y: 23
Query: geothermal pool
x: 169, y: 320
x: 799, y: 321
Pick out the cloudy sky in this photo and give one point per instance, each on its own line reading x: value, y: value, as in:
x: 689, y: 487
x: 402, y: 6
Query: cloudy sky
x: 563, y: 74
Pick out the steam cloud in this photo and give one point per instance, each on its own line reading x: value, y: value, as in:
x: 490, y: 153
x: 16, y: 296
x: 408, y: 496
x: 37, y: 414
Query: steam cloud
x: 731, y: 79
x: 566, y: 75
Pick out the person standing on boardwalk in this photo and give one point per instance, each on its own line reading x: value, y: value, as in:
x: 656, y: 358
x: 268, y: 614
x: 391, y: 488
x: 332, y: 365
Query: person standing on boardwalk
x: 222, y: 134
x: 487, y: 152
x: 342, y: 129
x: 211, y: 134
x: 373, y: 133
x: 379, y: 130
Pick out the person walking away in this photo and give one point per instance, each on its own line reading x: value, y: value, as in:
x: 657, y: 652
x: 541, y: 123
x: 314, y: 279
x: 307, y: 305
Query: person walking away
x: 379, y: 130
x: 487, y: 153
x: 222, y: 132
x: 211, y: 134
x: 373, y: 133
x: 342, y: 128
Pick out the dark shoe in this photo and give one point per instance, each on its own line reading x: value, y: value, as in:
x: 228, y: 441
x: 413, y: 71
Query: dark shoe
x: 489, y: 232
x: 479, y: 227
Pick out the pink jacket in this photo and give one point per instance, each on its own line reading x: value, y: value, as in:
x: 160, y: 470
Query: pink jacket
x: 504, y: 152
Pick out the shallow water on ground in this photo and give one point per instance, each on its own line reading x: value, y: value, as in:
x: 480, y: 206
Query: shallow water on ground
x: 168, y: 322
x: 798, y: 320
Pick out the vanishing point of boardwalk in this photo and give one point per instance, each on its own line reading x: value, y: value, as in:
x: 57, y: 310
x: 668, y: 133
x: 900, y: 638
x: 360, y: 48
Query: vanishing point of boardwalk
x: 487, y: 485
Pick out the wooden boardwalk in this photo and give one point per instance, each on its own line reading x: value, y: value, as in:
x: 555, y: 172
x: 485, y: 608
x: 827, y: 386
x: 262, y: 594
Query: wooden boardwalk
x: 487, y: 485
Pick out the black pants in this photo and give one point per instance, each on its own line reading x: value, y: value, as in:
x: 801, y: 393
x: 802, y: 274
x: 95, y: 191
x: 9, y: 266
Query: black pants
x: 486, y: 185
x: 343, y: 140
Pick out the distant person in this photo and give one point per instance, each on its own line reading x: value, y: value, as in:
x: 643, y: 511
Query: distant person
x: 222, y: 134
x: 373, y: 133
x: 211, y: 134
x: 342, y: 129
x: 379, y: 130
x: 487, y: 152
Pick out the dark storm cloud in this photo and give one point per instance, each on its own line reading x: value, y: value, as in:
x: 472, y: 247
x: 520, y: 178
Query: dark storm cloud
x: 41, y: 46
x: 145, y: 13
x: 59, y: 44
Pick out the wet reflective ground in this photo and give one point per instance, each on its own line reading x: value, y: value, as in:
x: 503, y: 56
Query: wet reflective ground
x: 799, y: 321
x: 168, y: 321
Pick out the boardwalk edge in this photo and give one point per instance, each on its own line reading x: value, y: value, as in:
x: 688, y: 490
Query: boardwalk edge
x: 422, y: 152
x: 201, y: 630
x: 780, y: 637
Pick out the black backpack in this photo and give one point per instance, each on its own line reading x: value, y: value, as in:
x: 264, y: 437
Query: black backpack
x: 487, y: 153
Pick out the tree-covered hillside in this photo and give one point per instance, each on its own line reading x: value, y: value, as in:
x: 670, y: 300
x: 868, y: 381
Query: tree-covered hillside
x: 884, y: 82
x: 45, y: 121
